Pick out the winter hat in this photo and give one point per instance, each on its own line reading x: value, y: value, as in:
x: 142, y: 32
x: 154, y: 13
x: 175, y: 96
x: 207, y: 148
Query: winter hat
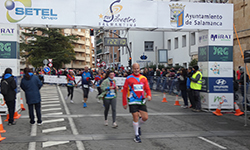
x: 196, y: 68
x: 241, y: 69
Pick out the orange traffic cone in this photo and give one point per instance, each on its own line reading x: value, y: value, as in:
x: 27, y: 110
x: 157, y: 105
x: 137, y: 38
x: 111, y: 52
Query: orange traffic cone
x: 2, y: 138
x: 177, y: 101
x: 1, y: 126
x: 238, y: 112
x: 7, y: 118
x: 16, y: 115
x: 164, y: 98
x: 22, y: 107
x: 218, y: 110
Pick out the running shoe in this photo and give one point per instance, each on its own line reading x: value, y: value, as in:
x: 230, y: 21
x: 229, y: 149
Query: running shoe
x: 84, y: 105
x: 66, y: 97
x: 13, y: 123
x: 139, y: 130
x: 137, y: 139
x: 115, y: 125
x: 71, y: 101
x: 106, y: 123
x: 39, y: 124
x: 184, y: 107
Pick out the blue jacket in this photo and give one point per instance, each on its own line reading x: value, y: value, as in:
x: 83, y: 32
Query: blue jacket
x: 31, y: 88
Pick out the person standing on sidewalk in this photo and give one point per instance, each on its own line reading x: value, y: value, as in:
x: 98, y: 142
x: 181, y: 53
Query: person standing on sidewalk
x: 189, y: 91
x: 109, y: 95
x: 195, y: 85
x: 134, y: 90
x: 70, y: 85
x: 182, y: 86
x: 86, y: 82
x: 31, y: 85
x: 9, y: 94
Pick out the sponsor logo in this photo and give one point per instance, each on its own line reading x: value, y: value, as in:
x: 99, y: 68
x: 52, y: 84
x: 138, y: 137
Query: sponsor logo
x: 18, y: 10
x: 203, y: 99
x: 215, y: 68
x: 220, y: 85
x: 221, y: 37
x: 113, y: 17
x: 203, y: 38
x: 221, y: 99
x: 221, y: 82
x: 177, y: 15
x: 7, y: 31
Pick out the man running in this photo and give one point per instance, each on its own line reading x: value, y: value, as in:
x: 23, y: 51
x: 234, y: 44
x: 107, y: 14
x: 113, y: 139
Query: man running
x: 134, y: 90
x: 86, y: 82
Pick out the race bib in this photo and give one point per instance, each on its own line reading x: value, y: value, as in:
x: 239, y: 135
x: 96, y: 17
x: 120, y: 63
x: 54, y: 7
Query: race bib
x: 138, y: 87
x: 112, y: 92
x: 85, y: 86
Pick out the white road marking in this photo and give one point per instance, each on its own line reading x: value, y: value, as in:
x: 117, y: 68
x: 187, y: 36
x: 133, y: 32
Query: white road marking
x: 51, y: 109
x: 54, y: 129
x: 58, y: 113
x: 51, y: 105
x: 50, y: 102
x: 211, y: 142
x: 50, y: 99
x: 53, y: 120
x: 52, y: 143
x: 32, y: 145
x: 79, y: 144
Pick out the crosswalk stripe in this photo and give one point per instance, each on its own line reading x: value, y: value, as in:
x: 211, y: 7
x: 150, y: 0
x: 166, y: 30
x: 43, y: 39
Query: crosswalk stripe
x: 50, y: 105
x: 50, y: 102
x: 58, y: 113
x: 52, y: 143
x: 51, y: 109
x: 54, y: 129
x: 51, y: 99
x: 53, y: 120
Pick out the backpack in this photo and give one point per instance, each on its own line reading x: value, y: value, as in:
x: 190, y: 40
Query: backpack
x: 4, y: 87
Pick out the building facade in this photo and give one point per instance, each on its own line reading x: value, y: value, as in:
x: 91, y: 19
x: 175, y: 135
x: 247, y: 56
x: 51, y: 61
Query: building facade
x: 83, y: 48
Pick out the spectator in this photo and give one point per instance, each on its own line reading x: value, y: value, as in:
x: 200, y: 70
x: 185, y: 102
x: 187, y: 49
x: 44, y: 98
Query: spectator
x: 158, y: 72
x: 238, y: 73
x: 189, y: 91
x: 241, y: 83
x: 182, y: 85
x: 31, y: 85
x: 10, y: 95
x: 195, y: 85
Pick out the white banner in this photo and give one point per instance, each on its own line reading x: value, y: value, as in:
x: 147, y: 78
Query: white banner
x: 119, y: 14
x: 212, y: 100
x: 62, y: 79
x: 220, y: 69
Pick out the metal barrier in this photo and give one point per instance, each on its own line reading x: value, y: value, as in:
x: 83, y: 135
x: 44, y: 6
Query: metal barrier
x: 164, y: 84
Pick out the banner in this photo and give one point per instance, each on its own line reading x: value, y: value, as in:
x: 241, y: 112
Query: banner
x: 117, y: 14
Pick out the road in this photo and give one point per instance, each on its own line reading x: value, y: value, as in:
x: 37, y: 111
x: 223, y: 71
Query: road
x: 69, y: 126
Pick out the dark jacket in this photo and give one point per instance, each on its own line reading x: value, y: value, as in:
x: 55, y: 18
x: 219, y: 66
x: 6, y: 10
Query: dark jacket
x: 182, y: 82
x: 241, y: 81
x: 11, y: 96
x: 31, y: 88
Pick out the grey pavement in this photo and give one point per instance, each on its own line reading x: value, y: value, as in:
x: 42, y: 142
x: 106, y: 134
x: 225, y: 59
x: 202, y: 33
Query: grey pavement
x: 71, y: 127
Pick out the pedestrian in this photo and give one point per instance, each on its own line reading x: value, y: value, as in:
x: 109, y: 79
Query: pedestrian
x: 86, y: 83
x: 9, y: 93
x: 241, y: 83
x: 31, y: 85
x: 70, y: 85
x: 134, y: 90
x: 189, y: 91
x: 195, y: 85
x: 109, y: 95
x: 238, y: 73
x: 182, y: 79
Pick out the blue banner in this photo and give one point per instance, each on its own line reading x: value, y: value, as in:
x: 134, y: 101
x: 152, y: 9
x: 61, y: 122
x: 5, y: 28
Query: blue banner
x: 220, y: 85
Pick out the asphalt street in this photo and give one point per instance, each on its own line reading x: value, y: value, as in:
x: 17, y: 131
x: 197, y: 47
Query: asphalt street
x: 68, y: 126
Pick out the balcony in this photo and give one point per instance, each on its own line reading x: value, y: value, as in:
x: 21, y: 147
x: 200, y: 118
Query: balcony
x: 87, y: 43
x: 98, y: 42
x: 87, y: 51
x: 87, y: 59
x: 93, y: 54
x: 80, y: 58
x: 99, y: 51
x: 79, y: 50
x: 78, y: 33
x: 98, y: 32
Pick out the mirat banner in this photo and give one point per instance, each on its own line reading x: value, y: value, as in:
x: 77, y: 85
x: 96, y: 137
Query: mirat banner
x: 119, y: 14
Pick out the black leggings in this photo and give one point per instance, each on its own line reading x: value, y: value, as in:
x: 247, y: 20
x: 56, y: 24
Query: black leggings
x: 70, y: 91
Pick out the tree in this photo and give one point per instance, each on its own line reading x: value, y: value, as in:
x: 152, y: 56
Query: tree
x: 50, y: 44
x: 194, y: 62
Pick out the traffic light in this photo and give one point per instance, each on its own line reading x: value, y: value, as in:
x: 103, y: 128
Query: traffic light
x: 91, y: 32
x: 130, y: 62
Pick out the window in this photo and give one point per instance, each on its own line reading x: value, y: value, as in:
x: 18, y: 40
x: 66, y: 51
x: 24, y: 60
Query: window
x: 184, y: 39
x: 149, y: 45
x: 115, y: 55
x: 126, y: 50
x: 192, y: 38
x: 122, y: 50
x: 176, y: 43
x: 130, y: 46
x: 110, y: 56
x: 169, y: 44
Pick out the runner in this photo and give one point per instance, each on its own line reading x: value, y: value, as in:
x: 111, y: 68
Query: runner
x: 98, y: 78
x: 134, y: 96
x: 70, y: 85
x: 86, y: 82
x: 109, y: 95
